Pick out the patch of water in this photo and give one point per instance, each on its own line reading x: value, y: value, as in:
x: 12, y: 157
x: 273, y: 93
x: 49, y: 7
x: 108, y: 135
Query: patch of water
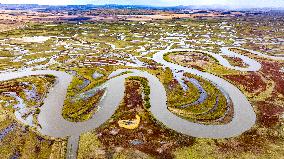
x: 97, y: 75
x: 5, y: 131
x: 22, y: 113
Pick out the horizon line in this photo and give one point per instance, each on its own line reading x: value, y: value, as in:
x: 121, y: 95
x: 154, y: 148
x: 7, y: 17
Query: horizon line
x: 215, y: 6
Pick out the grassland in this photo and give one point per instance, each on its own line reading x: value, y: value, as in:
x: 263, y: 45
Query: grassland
x: 85, y: 49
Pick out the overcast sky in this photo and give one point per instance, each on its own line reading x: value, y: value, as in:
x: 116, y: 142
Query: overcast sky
x: 229, y: 3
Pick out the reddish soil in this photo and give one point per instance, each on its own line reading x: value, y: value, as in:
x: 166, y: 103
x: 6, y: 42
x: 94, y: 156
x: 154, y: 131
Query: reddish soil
x: 268, y: 115
x: 173, y: 84
x: 251, y: 82
x: 197, y: 67
x: 250, y: 141
x: 153, y: 139
x: 267, y: 112
x: 271, y: 69
x: 236, y: 61
x: 10, y: 86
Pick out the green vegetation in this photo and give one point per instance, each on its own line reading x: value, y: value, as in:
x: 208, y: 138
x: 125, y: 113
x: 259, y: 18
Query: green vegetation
x: 104, y: 47
x: 90, y: 146
x: 212, y: 108
x: 200, y: 61
x: 25, y: 143
x: 39, y: 85
x: 81, y: 110
x: 30, y: 145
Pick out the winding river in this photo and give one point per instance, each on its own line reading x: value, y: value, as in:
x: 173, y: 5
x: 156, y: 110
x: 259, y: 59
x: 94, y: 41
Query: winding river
x: 243, y: 119
x: 253, y: 65
x: 261, y: 54
x: 53, y: 124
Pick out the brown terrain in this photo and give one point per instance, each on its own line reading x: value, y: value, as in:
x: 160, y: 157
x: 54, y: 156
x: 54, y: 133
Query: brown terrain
x: 150, y: 137
x: 11, y: 19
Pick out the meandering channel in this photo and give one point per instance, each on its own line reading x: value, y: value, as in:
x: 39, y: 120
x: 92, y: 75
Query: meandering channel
x: 261, y: 54
x: 253, y: 65
x: 53, y: 124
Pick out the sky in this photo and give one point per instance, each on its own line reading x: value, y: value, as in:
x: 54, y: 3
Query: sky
x: 228, y: 3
